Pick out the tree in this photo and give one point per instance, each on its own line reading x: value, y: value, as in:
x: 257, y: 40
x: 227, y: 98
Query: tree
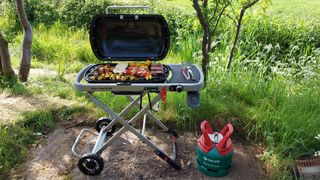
x: 26, y: 44
x: 25, y: 61
x: 209, y: 19
x: 245, y: 6
x: 5, y: 62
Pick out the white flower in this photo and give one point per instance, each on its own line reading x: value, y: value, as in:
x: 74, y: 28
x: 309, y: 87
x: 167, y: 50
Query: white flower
x: 317, y: 153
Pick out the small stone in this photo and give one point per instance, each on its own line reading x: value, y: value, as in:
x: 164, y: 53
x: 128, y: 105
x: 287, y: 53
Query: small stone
x: 188, y: 163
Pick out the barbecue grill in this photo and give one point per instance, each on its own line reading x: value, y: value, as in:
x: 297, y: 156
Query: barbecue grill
x: 117, y: 39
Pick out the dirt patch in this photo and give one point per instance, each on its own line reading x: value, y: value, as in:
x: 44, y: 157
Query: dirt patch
x: 127, y: 158
x: 34, y: 72
x: 14, y: 106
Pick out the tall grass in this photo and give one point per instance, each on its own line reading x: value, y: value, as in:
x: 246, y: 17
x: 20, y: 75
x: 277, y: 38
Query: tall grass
x: 189, y: 48
x: 58, y: 45
x: 12, y: 86
x: 283, y: 48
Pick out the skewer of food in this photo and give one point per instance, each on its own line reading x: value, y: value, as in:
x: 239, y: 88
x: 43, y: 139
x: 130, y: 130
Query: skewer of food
x: 127, y: 72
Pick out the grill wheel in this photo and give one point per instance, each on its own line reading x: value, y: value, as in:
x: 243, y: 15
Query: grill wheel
x: 104, y: 122
x: 91, y: 164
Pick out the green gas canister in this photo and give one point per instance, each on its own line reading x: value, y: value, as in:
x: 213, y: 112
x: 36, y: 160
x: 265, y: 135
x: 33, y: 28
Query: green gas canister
x: 214, y: 150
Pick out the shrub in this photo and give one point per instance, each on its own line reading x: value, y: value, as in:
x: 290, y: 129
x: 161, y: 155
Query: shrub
x: 37, y: 11
x: 181, y: 22
x: 80, y: 13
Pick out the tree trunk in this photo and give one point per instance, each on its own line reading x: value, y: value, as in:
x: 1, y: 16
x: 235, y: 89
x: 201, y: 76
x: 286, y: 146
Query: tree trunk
x: 25, y: 61
x: 1, y: 72
x: 243, y: 10
x: 236, y: 37
x: 205, y: 56
x: 206, y: 39
x: 5, y: 58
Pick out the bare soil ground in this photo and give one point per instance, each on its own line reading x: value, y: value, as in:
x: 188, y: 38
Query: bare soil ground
x: 127, y: 158
x: 13, y: 106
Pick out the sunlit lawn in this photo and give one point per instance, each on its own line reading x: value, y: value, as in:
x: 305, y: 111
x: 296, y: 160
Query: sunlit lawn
x: 296, y: 10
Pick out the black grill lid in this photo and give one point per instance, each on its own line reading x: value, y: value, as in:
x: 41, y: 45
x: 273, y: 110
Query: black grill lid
x: 129, y: 37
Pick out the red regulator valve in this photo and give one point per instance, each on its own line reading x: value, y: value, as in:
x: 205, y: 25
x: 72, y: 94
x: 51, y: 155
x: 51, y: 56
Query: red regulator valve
x: 163, y: 93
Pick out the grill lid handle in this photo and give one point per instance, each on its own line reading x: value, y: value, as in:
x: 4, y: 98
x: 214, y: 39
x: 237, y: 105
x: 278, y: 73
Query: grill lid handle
x: 127, y: 7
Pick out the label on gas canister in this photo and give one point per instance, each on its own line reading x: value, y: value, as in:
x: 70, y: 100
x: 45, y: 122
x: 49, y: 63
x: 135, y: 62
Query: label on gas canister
x: 211, y: 162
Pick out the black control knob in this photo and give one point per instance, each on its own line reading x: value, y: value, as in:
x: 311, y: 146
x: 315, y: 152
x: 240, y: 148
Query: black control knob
x: 179, y: 88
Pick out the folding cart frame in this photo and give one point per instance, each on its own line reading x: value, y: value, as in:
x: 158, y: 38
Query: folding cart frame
x: 92, y: 164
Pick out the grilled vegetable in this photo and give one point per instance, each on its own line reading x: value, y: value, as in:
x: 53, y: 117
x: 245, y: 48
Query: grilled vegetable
x: 108, y: 75
x: 113, y: 77
x: 132, y: 78
x: 148, y: 62
x: 118, y: 76
x: 132, y: 64
x: 148, y: 77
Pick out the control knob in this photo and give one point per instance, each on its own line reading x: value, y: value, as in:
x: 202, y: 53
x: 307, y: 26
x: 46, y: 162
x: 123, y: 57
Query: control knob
x: 179, y: 88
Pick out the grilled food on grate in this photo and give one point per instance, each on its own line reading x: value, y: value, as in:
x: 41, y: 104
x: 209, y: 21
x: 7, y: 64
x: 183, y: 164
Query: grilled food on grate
x: 134, y: 72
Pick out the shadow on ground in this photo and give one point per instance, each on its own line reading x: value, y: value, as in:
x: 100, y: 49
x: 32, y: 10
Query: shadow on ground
x: 127, y: 158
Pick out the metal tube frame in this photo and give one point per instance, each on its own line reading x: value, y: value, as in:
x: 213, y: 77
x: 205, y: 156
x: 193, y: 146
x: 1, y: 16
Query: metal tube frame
x: 101, y: 145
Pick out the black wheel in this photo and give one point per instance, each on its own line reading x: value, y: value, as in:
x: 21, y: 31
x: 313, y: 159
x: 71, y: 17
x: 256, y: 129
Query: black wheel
x: 90, y: 164
x: 104, y: 122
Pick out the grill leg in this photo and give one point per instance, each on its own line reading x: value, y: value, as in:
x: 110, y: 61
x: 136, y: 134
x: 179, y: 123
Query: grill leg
x: 151, y: 116
x: 100, y: 147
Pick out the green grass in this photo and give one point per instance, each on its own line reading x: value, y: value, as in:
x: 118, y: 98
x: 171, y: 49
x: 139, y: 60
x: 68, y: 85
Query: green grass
x: 12, y: 86
x: 2, y: 20
x: 57, y: 47
x: 296, y: 10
